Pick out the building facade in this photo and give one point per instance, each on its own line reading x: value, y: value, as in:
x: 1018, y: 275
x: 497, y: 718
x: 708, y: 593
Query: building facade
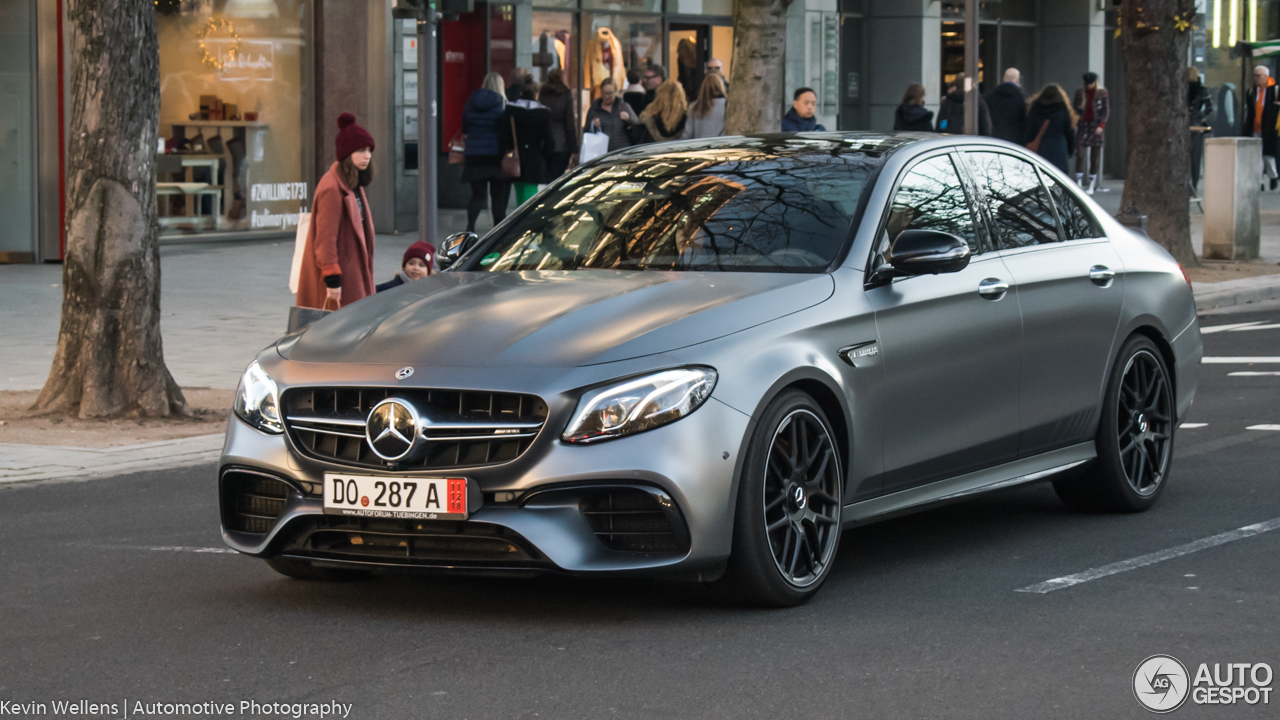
x: 251, y: 89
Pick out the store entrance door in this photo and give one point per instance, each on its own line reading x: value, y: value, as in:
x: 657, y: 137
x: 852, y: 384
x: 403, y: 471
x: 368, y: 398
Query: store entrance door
x: 691, y: 46
x: 17, y: 201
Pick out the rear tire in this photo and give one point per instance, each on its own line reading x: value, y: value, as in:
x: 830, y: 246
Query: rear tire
x: 303, y: 570
x: 1135, y: 437
x: 787, y: 522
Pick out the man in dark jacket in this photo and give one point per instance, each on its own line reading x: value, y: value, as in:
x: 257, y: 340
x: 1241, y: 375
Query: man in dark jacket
x: 651, y: 80
x: 1008, y: 107
x: 951, y: 114
x: 1260, y: 112
x: 800, y: 118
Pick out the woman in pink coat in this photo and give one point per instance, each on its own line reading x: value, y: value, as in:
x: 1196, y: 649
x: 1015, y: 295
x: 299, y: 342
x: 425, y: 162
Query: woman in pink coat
x: 337, y: 263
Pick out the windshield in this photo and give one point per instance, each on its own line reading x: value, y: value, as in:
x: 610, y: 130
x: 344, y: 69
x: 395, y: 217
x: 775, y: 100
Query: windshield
x: 755, y: 206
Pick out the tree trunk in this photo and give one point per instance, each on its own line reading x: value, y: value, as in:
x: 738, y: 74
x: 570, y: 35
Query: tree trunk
x: 1157, y: 127
x: 759, y: 51
x: 109, y: 360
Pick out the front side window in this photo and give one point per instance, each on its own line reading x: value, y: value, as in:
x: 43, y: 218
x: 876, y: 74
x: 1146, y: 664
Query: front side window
x: 717, y: 209
x: 1019, y: 207
x: 1077, y: 224
x: 930, y: 197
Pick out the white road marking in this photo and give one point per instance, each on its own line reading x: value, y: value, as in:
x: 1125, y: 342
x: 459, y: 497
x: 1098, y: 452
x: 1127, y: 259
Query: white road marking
x: 1225, y: 328
x: 1254, y: 373
x: 1152, y: 558
x: 1263, y: 427
x: 1192, y: 426
x: 1231, y: 360
x: 1272, y: 326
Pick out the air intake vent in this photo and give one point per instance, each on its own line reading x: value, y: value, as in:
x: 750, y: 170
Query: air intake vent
x: 252, y: 502
x: 463, y: 428
x: 633, y: 520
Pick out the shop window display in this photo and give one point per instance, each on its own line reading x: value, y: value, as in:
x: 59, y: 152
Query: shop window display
x: 618, y: 43
x: 231, y: 113
x: 554, y: 45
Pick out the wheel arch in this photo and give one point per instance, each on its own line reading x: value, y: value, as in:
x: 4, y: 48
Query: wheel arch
x: 1162, y: 344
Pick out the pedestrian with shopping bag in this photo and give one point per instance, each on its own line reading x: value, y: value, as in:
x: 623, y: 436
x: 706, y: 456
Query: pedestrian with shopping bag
x: 527, y: 130
x: 337, y: 262
x: 610, y: 115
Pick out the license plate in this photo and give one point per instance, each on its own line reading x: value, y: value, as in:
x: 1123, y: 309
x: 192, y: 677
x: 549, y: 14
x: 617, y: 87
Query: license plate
x: 385, y: 497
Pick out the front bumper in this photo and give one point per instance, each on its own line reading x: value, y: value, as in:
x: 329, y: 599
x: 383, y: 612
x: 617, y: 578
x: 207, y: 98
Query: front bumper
x: 687, y: 468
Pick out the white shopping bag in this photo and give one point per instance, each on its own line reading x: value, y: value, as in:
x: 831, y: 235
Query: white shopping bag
x: 299, y: 247
x: 594, y: 144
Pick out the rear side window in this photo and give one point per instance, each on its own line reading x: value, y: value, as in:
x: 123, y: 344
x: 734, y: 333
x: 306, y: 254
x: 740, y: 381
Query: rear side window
x: 1077, y: 224
x: 930, y: 197
x: 1018, y: 205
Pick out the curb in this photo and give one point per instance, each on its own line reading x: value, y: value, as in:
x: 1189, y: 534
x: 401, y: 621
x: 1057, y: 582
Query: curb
x: 1236, y: 292
x: 24, y: 464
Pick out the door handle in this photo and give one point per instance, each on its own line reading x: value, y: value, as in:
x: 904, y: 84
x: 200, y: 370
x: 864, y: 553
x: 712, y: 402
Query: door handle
x: 1101, y: 275
x: 993, y: 288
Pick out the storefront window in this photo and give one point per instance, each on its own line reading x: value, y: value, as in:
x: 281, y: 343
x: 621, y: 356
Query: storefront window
x: 624, y: 5
x: 618, y: 43
x: 555, y: 45
x: 232, y: 94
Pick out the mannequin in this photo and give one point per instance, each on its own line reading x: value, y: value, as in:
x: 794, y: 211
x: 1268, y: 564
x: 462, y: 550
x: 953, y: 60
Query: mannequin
x: 604, y: 60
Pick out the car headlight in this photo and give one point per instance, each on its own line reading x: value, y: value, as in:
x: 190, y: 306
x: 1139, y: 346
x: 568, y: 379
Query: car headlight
x: 258, y: 400
x: 641, y: 404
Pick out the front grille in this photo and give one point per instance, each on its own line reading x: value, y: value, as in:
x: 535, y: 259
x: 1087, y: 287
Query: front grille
x: 632, y: 520
x: 415, y: 542
x: 463, y: 428
x: 252, y: 502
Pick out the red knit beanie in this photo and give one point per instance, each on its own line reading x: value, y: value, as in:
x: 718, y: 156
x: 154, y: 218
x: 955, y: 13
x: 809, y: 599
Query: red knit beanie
x: 424, y: 251
x: 351, y: 137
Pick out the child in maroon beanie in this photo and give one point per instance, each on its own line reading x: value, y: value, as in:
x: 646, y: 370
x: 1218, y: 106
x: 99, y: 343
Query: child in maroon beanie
x: 416, y: 264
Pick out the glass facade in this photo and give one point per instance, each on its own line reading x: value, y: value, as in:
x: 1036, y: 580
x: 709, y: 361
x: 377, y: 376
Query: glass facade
x: 233, y: 94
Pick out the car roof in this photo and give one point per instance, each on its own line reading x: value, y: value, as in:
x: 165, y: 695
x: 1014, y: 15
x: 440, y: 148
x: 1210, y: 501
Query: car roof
x: 876, y: 144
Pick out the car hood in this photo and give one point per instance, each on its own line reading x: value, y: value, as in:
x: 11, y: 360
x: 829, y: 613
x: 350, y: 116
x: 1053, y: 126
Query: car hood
x: 549, y: 319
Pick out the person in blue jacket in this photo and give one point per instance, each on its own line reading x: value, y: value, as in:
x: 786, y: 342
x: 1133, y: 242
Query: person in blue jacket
x: 482, y: 166
x: 804, y: 103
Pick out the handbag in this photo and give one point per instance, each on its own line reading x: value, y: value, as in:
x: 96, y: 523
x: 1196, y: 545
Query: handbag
x: 458, y: 149
x: 299, y: 249
x: 302, y: 317
x: 511, y: 160
x: 1034, y: 145
x: 594, y: 144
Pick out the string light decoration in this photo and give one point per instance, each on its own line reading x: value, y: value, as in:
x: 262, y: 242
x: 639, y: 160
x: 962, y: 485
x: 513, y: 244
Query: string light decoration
x: 214, y: 59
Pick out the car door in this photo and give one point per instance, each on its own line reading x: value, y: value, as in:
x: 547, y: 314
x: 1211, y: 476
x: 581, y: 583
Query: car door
x: 1070, y: 288
x: 949, y: 342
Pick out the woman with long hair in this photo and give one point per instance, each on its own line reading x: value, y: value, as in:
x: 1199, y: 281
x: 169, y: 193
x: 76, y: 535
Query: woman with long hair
x: 482, y: 166
x: 557, y: 98
x: 337, y: 260
x: 665, y: 117
x: 706, y: 114
x: 1051, y: 126
x: 911, y: 114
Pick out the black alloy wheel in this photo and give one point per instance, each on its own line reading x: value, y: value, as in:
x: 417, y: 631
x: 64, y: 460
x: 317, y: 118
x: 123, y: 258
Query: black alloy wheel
x: 1145, y: 420
x: 1135, y: 436
x: 787, y: 526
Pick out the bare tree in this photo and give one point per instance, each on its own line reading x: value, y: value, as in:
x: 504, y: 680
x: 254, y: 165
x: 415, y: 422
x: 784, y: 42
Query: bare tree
x: 1155, y: 35
x: 759, y: 52
x: 109, y: 360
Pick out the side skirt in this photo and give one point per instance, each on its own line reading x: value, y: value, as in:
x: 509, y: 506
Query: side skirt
x: 962, y: 487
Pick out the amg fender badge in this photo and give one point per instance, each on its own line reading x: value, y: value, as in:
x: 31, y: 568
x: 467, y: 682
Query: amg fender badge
x: 861, y: 350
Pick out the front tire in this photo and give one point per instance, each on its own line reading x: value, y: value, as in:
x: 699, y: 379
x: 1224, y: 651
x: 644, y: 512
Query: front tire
x: 1135, y: 437
x: 787, y: 522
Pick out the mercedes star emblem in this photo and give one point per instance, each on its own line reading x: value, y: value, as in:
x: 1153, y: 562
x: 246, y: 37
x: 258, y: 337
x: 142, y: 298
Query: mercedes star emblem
x: 403, y: 373
x: 392, y: 429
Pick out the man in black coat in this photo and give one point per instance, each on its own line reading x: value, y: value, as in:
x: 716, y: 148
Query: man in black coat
x: 1008, y: 107
x: 1260, y: 112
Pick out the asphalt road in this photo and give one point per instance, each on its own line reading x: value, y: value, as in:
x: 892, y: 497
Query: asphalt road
x: 106, y: 598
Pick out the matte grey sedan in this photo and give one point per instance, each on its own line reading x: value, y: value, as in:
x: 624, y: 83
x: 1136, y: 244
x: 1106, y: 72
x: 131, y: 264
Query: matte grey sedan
x: 706, y: 359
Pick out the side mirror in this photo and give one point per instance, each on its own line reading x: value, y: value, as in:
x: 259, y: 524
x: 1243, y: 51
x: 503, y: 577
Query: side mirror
x: 922, y: 252
x: 453, y: 248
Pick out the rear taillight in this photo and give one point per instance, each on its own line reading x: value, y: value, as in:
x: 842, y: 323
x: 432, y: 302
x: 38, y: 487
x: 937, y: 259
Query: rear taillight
x: 1185, y: 276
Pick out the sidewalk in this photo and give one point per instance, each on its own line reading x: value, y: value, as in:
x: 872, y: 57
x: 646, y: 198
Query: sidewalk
x: 32, y: 463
